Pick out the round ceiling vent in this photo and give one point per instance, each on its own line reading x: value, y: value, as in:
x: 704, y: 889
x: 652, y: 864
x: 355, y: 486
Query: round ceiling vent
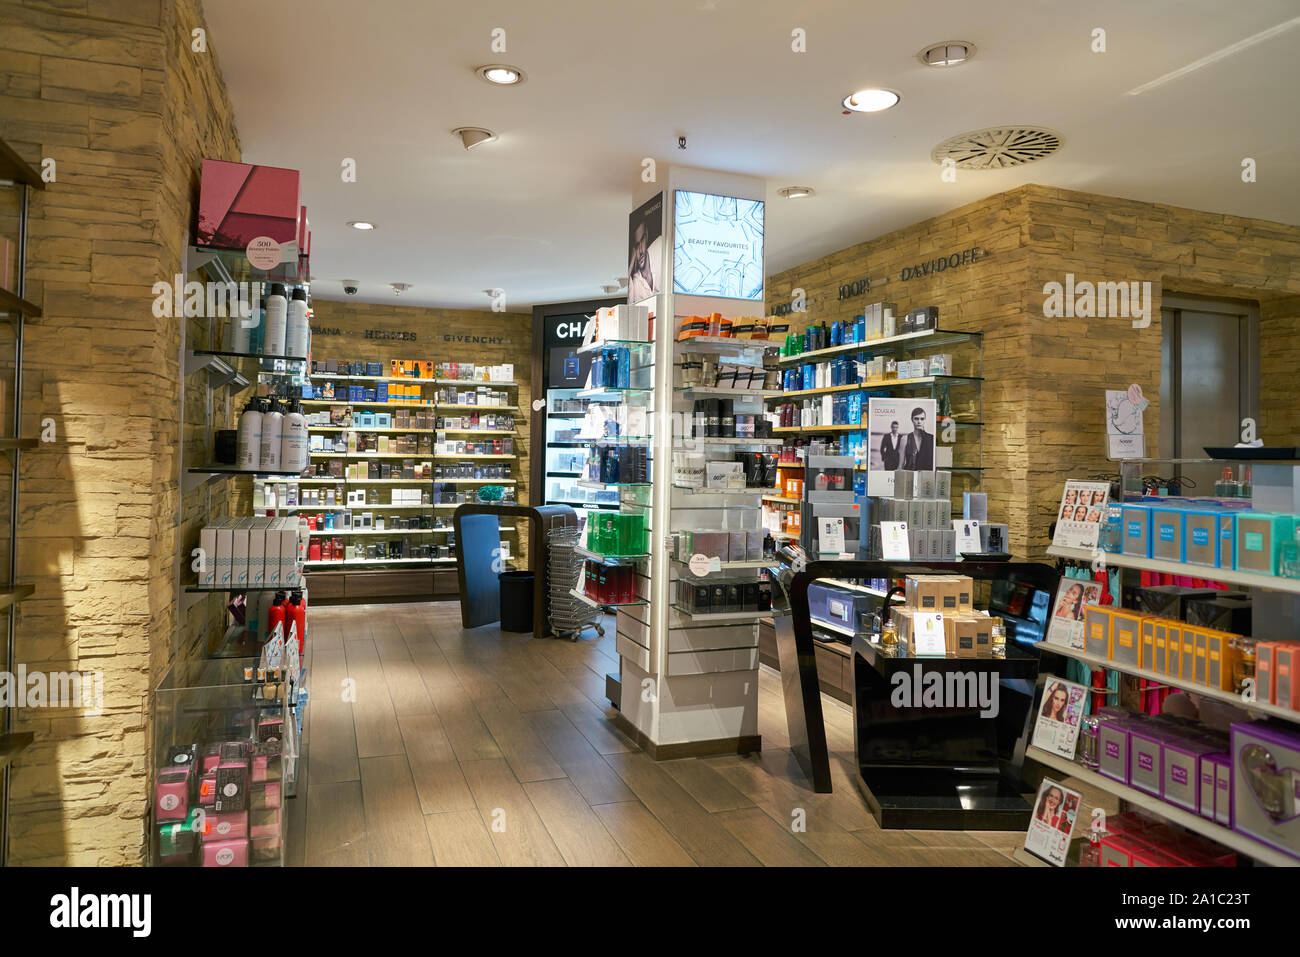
x: 998, y: 147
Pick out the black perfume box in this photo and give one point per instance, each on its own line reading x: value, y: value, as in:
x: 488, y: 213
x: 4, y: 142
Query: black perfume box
x: 1170, y: 601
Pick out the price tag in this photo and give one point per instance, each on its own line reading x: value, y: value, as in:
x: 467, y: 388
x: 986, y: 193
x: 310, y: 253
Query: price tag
x: 701, y: 565
x: 894, y: 541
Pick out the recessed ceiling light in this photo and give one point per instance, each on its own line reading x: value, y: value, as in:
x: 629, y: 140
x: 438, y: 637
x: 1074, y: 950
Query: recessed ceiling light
x: 796, y: 192
x: 501, y: 75
x: 947, y: 53
x: 871, y: 100
x: 361, y: 224
x: 472, y: 136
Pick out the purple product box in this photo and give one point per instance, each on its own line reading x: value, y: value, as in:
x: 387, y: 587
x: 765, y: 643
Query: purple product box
x: 1145, y: 760
x: 1266, y: 785
x: 1181, y: 781
x: 1216, y: 787
x: 1113, y: 747
x: 1224, y: 813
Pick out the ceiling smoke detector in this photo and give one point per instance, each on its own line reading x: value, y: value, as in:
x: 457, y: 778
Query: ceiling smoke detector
x: 998, y: 147
x: 472, y: 136
x: 399, y: 287
x: 947, y: 53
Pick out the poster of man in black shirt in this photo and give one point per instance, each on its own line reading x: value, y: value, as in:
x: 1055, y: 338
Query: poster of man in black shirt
x: 890, y: 447
x: 900, y: 437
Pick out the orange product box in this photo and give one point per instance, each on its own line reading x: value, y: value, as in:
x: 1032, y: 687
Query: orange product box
x: 1286, y: 675
x: 1220, y: 660
x: 1125, y: 636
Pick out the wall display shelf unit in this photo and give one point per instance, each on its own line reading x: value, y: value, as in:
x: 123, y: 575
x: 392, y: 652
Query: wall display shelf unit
x: 958, y: 392
x: 1274, y: 609
x: 397, y: 448
x: 17, y: 182
x: 1241, y: 843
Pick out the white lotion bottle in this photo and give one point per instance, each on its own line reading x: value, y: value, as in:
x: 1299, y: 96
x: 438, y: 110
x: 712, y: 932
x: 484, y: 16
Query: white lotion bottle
x: 295, y: 442
x: 249, y: 436
x: 277, y: 306
x: 296, y: 330
x: 272, y: 438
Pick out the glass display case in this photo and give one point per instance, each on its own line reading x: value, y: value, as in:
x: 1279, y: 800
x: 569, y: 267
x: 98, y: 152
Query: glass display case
x: 225, y: 754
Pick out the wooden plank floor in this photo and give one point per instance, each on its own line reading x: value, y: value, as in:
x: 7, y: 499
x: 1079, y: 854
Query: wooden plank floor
x: 429, y: 744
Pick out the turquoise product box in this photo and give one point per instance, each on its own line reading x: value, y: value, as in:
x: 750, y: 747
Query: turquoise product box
x: 1260, y: 537
x: 1136, y: 537
x: 1167, y: 534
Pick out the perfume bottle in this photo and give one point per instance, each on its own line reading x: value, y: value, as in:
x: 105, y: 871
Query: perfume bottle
x: 1088, y: 741
x: 1289, y: 562
x: 889, y: 635
x: 891, y: 369
x: 1109, y: 535
x: 998, y: 638
x: 1090, y: 851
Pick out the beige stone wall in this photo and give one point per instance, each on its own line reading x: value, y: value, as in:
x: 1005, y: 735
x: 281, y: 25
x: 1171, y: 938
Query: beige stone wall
x: 1046, y: 377
x: 113, y: 93
x: 1179, y: 251
x: 984, y: 296
x: 433, y: 328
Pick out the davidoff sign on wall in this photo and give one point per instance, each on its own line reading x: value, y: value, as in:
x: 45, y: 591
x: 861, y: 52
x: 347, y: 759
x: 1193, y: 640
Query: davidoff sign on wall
x: 939, y: 264
x: 954, y: 261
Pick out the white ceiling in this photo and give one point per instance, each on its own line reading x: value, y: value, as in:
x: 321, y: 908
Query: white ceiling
x: 542, y: 213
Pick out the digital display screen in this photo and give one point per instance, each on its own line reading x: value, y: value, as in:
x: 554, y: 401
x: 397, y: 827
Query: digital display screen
x: 562, y: 335
x: 717, y: 246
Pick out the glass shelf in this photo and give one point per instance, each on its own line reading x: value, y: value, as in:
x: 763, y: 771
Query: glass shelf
x: 929, y: 339
x: 609, y: 559
x: 232, y: 265
x: 634, y: 345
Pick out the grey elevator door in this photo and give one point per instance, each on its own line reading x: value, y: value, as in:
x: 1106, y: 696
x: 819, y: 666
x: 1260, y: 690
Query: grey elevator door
x: 1210, y: 367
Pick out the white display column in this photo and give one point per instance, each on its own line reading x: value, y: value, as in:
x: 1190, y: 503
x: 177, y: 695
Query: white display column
x: 690, y: 682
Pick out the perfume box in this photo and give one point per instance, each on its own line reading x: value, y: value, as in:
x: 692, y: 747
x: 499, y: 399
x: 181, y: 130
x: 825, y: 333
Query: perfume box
x: 1152, y: 628
x: 1181, y: 774
x: 1170, y: 601
x: 1286, y: 682
x: 233, y: 853
x: 1113, y: 748
x: 1266, y: 784
x: 1125, y: 636
x: 1187, y: 653
x: 1224, y: 612
x: 240, y: 202
x: 1201, y: 538
x: 1260, y: 536
x: 1145, y: 768
x: 1207, y: 777
x: 1167, y: 533
x: 1224, y: 813
x: 1136, y: 531
x: 225, y: 826
x: 1096, y: 630
x: 172, y: 794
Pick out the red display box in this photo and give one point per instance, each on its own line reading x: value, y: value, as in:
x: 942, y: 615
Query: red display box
x: 240, y: 202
